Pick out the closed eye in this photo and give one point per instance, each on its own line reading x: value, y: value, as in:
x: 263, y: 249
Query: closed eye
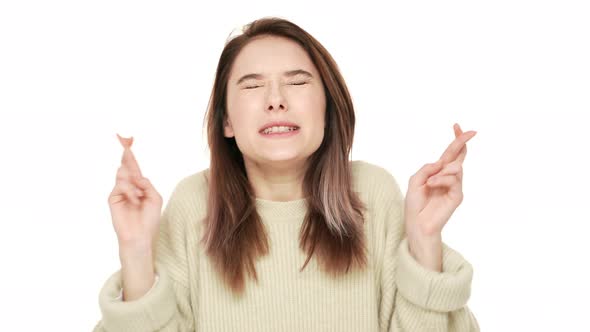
x: 257, y: 86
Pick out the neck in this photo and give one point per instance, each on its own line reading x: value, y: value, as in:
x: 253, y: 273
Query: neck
x: 277, y: 181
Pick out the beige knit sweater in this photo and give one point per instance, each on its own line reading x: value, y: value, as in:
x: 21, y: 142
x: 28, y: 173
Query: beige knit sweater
x: 394, y: 293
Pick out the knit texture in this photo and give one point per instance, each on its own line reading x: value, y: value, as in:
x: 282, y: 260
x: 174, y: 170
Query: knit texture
x: 394, y: 292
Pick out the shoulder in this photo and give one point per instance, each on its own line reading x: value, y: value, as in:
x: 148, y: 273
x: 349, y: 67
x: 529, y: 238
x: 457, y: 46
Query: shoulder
x: 365, y: 171
x: 375, y: 181
x: 189, y: 195
x: 194, y: 183
x: 384, y: 203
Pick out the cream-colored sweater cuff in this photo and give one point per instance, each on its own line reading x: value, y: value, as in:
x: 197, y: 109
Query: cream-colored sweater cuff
x: 443, y: 291
x: 154, y: 309
x: 120, y: 296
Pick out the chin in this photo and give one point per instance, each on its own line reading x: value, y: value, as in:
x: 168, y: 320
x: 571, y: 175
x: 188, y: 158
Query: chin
x: 278, y: 157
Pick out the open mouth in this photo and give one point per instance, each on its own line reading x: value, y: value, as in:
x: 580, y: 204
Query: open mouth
x: 279, y: 130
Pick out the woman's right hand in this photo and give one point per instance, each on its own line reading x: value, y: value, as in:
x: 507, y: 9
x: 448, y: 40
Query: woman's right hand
x: 134, y: 203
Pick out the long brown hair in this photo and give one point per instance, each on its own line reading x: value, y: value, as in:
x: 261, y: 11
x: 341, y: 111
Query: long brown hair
x: 234, y: 235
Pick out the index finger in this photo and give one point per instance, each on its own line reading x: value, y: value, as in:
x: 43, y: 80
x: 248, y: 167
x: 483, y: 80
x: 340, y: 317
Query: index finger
x: 128, y: 159
x: 463, y: 152
x: 456, y: 146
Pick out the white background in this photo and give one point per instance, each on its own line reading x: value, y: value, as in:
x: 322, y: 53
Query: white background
x: 74, y: 73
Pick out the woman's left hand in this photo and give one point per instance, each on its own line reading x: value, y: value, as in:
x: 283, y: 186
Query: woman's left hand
x: 434, y: 193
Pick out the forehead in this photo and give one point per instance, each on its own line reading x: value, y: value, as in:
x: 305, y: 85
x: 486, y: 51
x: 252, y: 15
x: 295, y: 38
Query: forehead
x: 270, y: 55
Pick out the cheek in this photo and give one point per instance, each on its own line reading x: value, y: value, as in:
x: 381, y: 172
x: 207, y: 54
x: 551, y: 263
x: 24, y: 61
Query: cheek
x: 314, y: 105
x: 243, y: 111
x: 240, y: 122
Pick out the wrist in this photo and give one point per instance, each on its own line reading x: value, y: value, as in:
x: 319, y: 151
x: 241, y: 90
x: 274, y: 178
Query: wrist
x: 134, y: 255
x: 427, y: 251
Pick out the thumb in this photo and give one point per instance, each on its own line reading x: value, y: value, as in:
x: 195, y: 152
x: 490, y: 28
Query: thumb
x: 146, y: 186
x: 425, y: 172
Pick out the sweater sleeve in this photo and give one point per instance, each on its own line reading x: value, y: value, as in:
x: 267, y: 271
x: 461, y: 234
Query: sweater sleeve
x: 167, y: 305
x: 414, y: 298
x: 120, y: 296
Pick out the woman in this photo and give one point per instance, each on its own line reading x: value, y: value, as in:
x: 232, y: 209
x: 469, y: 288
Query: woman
x: 282, y: 232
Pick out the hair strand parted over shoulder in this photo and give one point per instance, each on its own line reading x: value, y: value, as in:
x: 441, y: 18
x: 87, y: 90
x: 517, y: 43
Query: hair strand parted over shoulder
x: 234, y: 235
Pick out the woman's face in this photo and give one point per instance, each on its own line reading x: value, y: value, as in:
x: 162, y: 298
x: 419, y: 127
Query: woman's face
x: 273, y: 79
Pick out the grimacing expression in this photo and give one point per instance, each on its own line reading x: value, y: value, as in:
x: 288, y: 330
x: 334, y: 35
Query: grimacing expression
x: 274, y: 79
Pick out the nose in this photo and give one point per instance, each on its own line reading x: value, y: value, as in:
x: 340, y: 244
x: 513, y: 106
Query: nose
x: 276, y: 100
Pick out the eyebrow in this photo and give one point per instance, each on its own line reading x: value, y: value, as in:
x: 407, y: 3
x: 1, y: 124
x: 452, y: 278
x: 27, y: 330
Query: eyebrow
x: 289, y: 73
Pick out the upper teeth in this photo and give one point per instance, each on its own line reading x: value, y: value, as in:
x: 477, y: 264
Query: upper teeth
x: 278, y: 129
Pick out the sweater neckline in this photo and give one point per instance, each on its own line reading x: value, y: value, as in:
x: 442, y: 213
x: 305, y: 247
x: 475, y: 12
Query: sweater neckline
x: 268, y: 209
